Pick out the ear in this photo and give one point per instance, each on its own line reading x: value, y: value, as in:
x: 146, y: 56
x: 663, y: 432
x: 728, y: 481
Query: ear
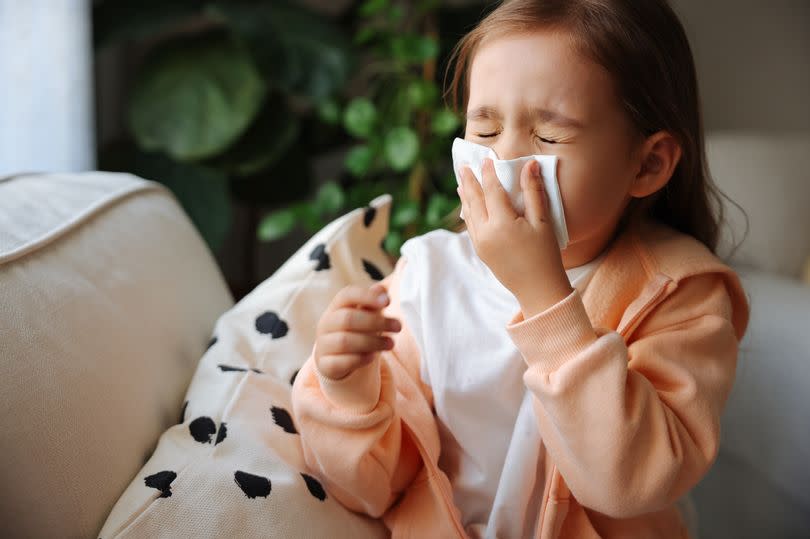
x: 659, y: 155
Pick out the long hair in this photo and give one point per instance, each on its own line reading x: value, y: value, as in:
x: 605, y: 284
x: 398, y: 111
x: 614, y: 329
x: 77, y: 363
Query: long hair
x: 644, y: 47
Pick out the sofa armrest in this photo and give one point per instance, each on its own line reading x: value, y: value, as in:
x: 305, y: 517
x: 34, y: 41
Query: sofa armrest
x: 108, y: 297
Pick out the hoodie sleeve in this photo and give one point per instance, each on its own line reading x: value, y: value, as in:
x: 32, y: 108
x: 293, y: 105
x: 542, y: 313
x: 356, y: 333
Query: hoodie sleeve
x: 632, y: 427
x: 352, y: 436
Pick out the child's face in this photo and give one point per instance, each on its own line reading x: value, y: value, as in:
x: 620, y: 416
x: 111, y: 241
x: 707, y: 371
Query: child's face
x: 514, y: 75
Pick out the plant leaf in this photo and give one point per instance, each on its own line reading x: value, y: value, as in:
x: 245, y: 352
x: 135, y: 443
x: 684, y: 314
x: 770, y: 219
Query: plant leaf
x: 393, y: 242
x: 329, y: 111
x: 276, y: 225
x: 401, y: 147
x: 405, y: 213
x: 308, y: 216
x: 359, y: 159
x: 438, y: 207
x: 359, y: 117
x: 195, y: 96
x: 422, y: 93
x: 330, y: 198
x: 413, y: 48
x: 445, y: 122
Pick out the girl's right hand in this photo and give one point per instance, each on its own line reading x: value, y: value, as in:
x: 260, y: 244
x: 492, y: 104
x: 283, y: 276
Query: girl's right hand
x: 349, y: 333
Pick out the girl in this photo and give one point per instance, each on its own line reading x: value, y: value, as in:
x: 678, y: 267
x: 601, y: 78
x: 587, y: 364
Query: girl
x: 528, y: 391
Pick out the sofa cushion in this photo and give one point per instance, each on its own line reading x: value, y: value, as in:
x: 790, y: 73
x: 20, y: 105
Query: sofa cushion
x: 233, y: 466
x: 758, y: 486
x: 108, y: 297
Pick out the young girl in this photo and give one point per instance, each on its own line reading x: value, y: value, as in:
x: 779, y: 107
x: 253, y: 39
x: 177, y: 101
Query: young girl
x: 528, y: 391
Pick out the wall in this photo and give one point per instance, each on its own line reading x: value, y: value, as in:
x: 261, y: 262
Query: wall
x: 753, y: 61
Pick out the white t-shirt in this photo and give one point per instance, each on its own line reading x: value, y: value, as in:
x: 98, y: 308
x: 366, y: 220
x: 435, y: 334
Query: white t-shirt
x: 492, y: 451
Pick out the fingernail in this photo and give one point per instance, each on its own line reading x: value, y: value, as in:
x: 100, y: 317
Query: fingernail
x: 382, y: 299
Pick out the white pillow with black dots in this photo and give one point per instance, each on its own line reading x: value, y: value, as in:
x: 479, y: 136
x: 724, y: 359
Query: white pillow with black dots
x: 233, y: 465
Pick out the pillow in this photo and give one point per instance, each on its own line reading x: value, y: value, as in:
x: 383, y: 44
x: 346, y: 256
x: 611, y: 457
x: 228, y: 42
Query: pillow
x: 232, y: 466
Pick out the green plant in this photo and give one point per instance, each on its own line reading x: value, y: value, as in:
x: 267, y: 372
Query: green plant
x: 234, y: 98
x: 224, y: 99
x: 401, y: 130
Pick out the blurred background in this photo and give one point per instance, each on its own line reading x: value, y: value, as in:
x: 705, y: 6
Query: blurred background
x: 269, y: 118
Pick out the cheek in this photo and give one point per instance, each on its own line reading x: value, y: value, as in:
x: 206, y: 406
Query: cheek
x: 592, y: 193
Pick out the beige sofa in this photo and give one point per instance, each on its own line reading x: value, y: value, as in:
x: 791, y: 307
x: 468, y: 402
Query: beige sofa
x: 109, y: 296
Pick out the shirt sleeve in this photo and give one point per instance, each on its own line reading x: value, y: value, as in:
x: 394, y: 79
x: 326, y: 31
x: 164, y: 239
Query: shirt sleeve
x: 352, y: 436
x: 632, y: 426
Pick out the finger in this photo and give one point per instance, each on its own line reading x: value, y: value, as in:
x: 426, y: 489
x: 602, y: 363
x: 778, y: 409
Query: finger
x: 359, y: 320
x: 349, y: 342
x: 355, y: 295
x: 341, y: 365
x: 473, y: 196
x: 496, y: 197
x: 533, y: 193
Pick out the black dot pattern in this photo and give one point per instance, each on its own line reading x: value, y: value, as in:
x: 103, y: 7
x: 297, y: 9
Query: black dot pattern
x: 270, y: 323
x: 212, y: 342
x: 368, y: 216
x: 231, y: 368
x: 161, y: 481
x: 253, y: 485
x: 319, y: 253
x: 283, y: 419
x: 221, y: 433
x: 292, y: 380
x: 202, y: 429
x: 372, y: 270
x: 314, y: 486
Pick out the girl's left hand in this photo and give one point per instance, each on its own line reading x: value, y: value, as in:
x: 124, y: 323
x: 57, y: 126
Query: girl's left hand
x: 521, y: 251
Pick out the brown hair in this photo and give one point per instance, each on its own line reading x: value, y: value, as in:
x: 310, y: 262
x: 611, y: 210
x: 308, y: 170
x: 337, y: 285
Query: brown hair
x: 642, y: 44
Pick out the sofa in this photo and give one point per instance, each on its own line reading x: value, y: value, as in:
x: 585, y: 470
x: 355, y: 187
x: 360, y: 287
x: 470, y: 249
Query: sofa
x: 109, y: 298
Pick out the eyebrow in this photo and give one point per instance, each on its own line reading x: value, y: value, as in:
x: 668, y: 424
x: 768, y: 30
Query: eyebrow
x: 544, y: 115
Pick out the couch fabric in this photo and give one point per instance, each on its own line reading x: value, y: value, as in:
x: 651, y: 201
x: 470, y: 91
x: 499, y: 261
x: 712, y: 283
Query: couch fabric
x: 760, y: 484
x: 108, y: 297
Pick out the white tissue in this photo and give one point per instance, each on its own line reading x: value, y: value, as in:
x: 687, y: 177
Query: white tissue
x: 466, y: 153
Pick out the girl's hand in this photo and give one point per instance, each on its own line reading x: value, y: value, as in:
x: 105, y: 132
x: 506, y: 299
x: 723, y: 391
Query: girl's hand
x: 348, y: 335
x: 521, y: 251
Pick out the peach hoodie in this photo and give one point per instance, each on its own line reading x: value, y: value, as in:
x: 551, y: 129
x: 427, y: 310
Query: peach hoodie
x: 629, y: 380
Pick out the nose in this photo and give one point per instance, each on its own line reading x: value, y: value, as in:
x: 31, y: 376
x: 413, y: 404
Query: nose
x: 511, y: 145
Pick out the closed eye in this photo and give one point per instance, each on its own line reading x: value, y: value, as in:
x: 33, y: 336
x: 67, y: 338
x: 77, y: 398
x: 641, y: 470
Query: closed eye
x: 489, y: 135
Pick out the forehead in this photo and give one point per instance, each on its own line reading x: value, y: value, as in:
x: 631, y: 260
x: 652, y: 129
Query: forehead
x: 538, y: 69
